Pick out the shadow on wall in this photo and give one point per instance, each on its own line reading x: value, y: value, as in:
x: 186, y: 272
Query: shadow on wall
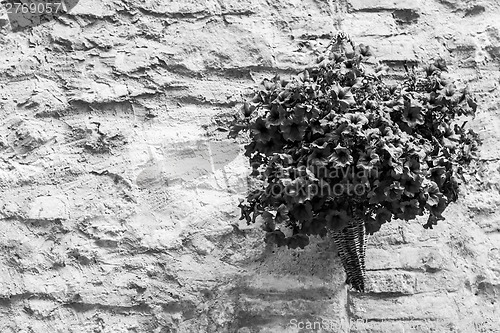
x: 187, y: 161
x: 289, y: 288
x: 23, y: 14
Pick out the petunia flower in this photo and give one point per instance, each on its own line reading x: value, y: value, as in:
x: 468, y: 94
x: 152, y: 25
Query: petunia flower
x: 356, y: 119
x: 394, y: 191
x: 372, y: 134
x: 394, y: 151
x: 449, y: 93
x: 302, y: 212
x: 269, y: 147
x: 344, y: 96
x: 386, y: 132
x: 300, y: 190
x: 261, y: 130
x: 282, y: 214
x: 293, y: 129
x: 336, y: 219
x: 412, y: 168
x: 432, y: 194
x: 438, y: 175
x: 411, y: 185
x: 340, y: 127
x: 368, y: 161
x: 412, y: 113
x: 377, y: 195
x: 383, y: 215
x: 276, y: 115
x: 430, y: 69
x: 319, y: 155
x: 410, y: 209
x: 340, y: 157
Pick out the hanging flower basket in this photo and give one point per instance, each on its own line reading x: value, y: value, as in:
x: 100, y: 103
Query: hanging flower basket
x: 337, y: 151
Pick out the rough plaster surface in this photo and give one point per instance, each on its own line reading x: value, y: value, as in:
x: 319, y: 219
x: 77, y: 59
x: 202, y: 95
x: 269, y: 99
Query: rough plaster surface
x: 118, y: 191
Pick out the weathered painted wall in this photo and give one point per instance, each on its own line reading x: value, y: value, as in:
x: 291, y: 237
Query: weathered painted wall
x: 118, y: 191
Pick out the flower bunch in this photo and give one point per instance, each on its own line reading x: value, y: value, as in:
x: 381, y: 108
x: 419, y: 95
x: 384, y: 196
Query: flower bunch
x: 337, y: 137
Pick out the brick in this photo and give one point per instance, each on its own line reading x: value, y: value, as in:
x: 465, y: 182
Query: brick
x: 428, y: 306
x: 369, y: 24
x: 408, y: 283
x: 391, y: 282
x: 422, y: 258
x: 395, y: 49
x: 48, y: 208
x: 412, y: 326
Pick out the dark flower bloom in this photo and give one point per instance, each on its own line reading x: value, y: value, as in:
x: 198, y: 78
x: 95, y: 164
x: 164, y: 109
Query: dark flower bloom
x: 261, y: 131
x: 394, y: 191
x: 319, y: 155
x: 282, y: 214
x: 299, y: 190
x: 344, y: 96
x: 412, y: 113
x: 293, y: 129
x: 449, y: 93
x: 340, y: 127
x: 438, y: 175
x: 383, y: 215
x: 410, y: 209
x: 448, y: 132
x: 276, y: 115
x: 432, y: 194
x: 269, y: 222
x: 302, y: 212
x: 267, y: 147
x: 275, y: 237
x: 377, y: 195
x: 386, y: 132
x: 336, y: 219
x: 298, y: 240
x: 430, y: 69
x: 356, y: 119
x: 411, y: 185
x: 439, y: 208
x: 341, y: 157
x: 368, y: 161
x: 394, y: 153
x: 411, y: 168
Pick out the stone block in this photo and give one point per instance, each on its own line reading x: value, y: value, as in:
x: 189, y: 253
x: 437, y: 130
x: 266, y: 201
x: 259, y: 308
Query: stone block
x: 427, y: 306
x: 369, y: 24
x: 393, y: 282
x: 411, y: 326
x: 48, y: 208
